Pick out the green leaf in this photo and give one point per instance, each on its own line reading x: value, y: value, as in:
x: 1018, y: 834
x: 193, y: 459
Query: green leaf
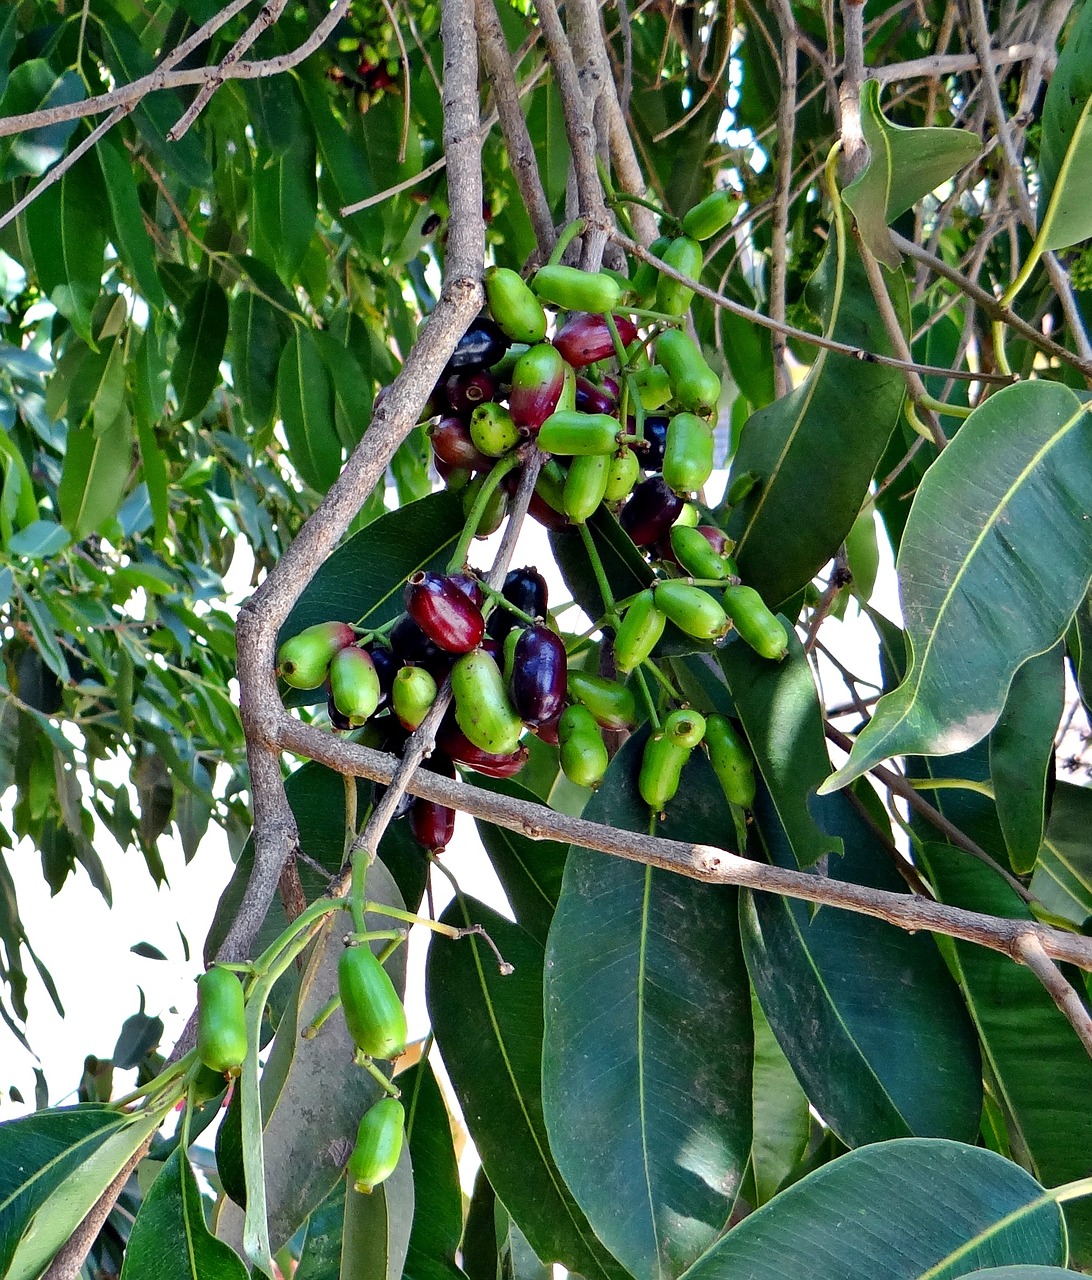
x: 352, y: 390
x: 95, y: 475
x: 131, y: 238
x: 906, y: 1210
x: 1022, y: 754
x: 867, y: 1014
x: 377, y: 1227
x: 438, y: 1201
x: 257, y: 342
x: 285, y: 199
x: 1079, y: 644
x: 306, y: 403
x: 782, y: 1122
x: 40, y: 541
x: 530, y: 871
x: 903, y: 166
x: 489, y: 1031
x: 994, y: 560
x: 1021, y: 1272
x: 169, y: 1239
x: 1063, y: 874
x: 666, y: 1018
x: 1021, y: 1028
x: 35, y: 86
x: 195, y: 372
x: 1065, y: 157
x: 68, y: 239
x: 789, y: 444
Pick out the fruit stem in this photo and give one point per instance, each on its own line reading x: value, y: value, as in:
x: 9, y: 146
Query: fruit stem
x: 315, y: 912
x: 500, y: 469
x: 159, y: 1083
x: 498, y: 598
x: 565, y: 239
x: 672, y: 692
x: 388, y: 1086
x: 328, y: 1009
x: 650, y: 702
x: 597, y: 567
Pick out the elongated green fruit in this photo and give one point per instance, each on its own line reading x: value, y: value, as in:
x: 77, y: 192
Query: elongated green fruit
x: 654, y: 386
x: 731, y: 761
x: 661, y: 770
x: 572, y: 434
x: 695, y: 555
x: 673, y: 297
x: 576, y: 720
x: 697, y: 387
x: 646, y: 275
x: 482, y: 708
x: 514, y: 306
x: 610, y: 703
x: 688, y: 454
x: 685, y: 728
x: 302, y: 661
x: 711, y: 215
x: 585, y: 485
x: 221, y: 1021
x: 639, y: 632
x: 372, y: 1007
x: 576, y: 290
x: 625, y: 471
x: 493, y: 429
x: 412, y: 693
x: 584, y: 759
x: 378, y: 1145
x: 354, y: 684
x: 760, y: 628
x: 692, y: 610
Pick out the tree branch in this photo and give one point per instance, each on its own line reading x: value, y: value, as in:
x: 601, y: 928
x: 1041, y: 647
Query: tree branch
x: 1030, y: 951
x: 786, y: 132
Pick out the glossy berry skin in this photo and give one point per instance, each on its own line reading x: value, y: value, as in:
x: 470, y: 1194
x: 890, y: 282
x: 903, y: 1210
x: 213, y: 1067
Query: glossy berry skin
x: 444, y: 613
x: 538, y: 381
x: 433, y: 824
x: 576, y: 290
x: 413, y: 694
x: 354, y: 684
x: 684, y: 728
x: 586, y: 486
x: 514, y: 306
x: 548, y: 516
x: 378, y: 1145
x: 454, y: 743
x: 652, y: 459
x: 496, y: 507
x: 482, y: 345
x: 583, y: 753
x: 410, y: 644
x: 337, y: 721
x: 651, y: 510
x: 585, y: 339
x: 452, y: 444
x: 757, y: 626
x: 639, y: 632
x: 593, y: 399
x: 465, y: 391
x: 688, y: 453
x: 469, y: 585
x: 661, y: 770
x: 692, y: 610
x: 526, y: 589
x: 539, y: 675
x: 610, y: 703
x: 694, y: 553
x: 493, y: 429
x: 372, y: 1007
x: 625, y: 471
x: 571, y: 434
x: 654, y: 386
x: 482, y: 708
x: 696, y: 386
x: 303, y: 660
x: 646, y: 275
x: 731, y: 761
x: 685, y: 255
x: 221, y: 1021
x: 711, y: 215
x: 386, y: 667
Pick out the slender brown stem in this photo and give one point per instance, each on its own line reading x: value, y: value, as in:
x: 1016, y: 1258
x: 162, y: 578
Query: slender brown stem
x: 1030, y: 951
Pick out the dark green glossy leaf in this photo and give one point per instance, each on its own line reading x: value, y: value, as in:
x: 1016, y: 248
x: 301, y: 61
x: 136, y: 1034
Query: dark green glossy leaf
x: 306, y: 402
x: 489, y: 1030
x: 648, y: 1028
x: 867, y: 1014
x: 352, y: 391
x: 1022, y: 754
x: 479, y: 1245
x: 438, y: 1200
x: 1079, y: 644
x: 903, y: 166
x: 65, y: 226
x: 1065, y: 159
x: 993, y: 563
x: 35, y: 86
x: 40, y: 540
x: 1063, y: 874
x: 873, y: 1215
x: 284, y: 204
x: 131, y: 238
x: 781, y: 1119
x: 257, y: 341
x: 376, y: 1229
x: 789, y: 444
x: 169, y: 1239
x: 96, y: 471
x: 1021, y: 1272
x: 195, y: 372
x: 1021, y: 1028
x: 530, y: 871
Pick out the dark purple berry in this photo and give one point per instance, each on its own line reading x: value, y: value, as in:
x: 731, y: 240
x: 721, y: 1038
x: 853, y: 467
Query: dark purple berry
x: 526, y: 589
x: 482, y: 345
x: 444, y: 613
x: 433, y: 824
x: 539, y: 675
x: 652, y: 458
x: 465, y: 391
x: 593, y: 399
x: 585, y: 338
x: 651, y: 510
x: 452, y: 445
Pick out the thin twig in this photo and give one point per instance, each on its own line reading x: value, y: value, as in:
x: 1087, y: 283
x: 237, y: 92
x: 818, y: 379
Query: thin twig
x: 786, y: 132
x: 936, y: 65
x: 1030, y: 951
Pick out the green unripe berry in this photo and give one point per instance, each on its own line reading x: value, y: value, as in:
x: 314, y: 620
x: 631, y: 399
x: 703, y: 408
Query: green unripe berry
x: 757, y: 626
x: 513, y: 305
x: 731, y: 761
x: 378, y: 1145
x: 221, y: 1021
x: 639, y: 632
x: 303, y: 660
x: 692, y: 610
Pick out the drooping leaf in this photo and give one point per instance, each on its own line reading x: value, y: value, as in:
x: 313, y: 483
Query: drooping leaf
x: 844, y: 409
x: 903, y: 166
x: 994, y: 560
x: 782, y: 1122
x: 867, y: 1014
x: 1063, y: 873
x: 35, y: 86
x: 376, y: 1229
x: 438, y: 1202
x: 195, y: 372
x: 873, y: 1215
x: 132, y: 240
x: 658, y: 1045
x: 170, y: 1240
x: 257, y: 342
x: 306, y: 402
x: 1022, y: 754
x: 284, y: 203
x: 489, y: 1031
x: 1021, y: 1028
x: 96, y: 471
x: 1065, y: 157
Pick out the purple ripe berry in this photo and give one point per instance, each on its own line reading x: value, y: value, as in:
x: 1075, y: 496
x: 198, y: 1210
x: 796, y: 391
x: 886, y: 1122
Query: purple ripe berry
x: 465, y: 391
x: 651, y: 510
x: 593, y: 399
x: 444, y: 612
x: 539, y: 675
x: 433, y: 824
x: 526, y: 589
x: 652, y: 459
x: 452, y: 445
x: 482, y: 345
x: 585, y: 338
x: 386, y: 667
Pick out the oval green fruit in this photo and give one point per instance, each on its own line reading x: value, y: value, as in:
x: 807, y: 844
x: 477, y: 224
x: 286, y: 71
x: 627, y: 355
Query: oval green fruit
x: 378, y: 1145
x: 711, y: 215
x: 584, y: 758
x: 610, y: 703
x: 685, y: 728
x: 692, y: 610
x: 625, y: 471
x: 646, y: 275
x: 654, y: 387
x: 639, y: 632
x: 672, y: 296
x: 576, y: 290
x: 482, y: 708
x: 661, y: 770
x: 221, y: 1020
x: 572, y: 434
x: 493, y: 429
x: 695, y: 555
x: 757, y: 626
x: 372, y: 1007
x: 514, y: 306
x: 496, y: 507
x: 575, y: 720
x: 731, y: 761
x: 688, y: 454
x: 585, y: 485
x: 697, y: 387
x: 303, y: 660
x: 412, y: 694
x: 354, y: 684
